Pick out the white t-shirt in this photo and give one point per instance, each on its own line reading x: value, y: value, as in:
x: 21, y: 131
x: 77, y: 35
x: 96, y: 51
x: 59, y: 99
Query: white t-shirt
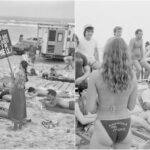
x: 87, y: 48
x: 146, y: 95
x: 25, y: 57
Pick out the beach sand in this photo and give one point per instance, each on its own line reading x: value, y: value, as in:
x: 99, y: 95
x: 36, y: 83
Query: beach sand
x: 34, y: 134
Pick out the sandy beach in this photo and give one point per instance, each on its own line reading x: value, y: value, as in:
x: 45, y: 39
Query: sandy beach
x: 34, y: 134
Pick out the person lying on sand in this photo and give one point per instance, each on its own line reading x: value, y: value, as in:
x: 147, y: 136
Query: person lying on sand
x: 141, y: 120
x: 51, y: 99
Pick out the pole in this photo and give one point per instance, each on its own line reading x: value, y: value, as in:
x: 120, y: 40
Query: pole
x: 9, y: 63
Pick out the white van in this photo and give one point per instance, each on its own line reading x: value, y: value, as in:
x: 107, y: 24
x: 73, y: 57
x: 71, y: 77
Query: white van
x: 56, y: 39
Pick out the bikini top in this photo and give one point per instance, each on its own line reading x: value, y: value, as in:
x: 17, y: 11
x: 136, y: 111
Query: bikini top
x: 112, y: 108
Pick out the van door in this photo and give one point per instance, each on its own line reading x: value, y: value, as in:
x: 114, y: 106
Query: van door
x: 51, y: 41
x: 44, y: 43
x: 59, y: 47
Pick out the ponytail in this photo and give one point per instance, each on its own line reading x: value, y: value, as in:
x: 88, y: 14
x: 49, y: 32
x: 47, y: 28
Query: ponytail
x: 25, y: 65
x: 26, y: 74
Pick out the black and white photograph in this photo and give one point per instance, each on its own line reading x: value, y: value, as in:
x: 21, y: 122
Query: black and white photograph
x: 37, y: 74
x: 74, y: 74
x: 112, y: 109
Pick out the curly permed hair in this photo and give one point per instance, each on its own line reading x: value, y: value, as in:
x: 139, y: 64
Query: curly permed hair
x: 116, y: 68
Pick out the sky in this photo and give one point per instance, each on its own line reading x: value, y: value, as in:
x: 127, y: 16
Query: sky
x: 46, y: 9
x: 105, y: 15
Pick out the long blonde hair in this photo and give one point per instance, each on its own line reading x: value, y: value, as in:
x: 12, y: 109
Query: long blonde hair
x: 116, y: 67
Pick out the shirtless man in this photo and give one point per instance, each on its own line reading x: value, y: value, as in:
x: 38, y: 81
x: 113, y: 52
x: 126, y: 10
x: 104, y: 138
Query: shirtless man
x: 136, y: 50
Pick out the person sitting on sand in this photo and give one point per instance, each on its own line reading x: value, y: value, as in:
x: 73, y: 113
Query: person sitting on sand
x: 53, y: 73
x: 82, y: 69
x: 84, y: 120
x: 51, y: 99
x: 21, y: 38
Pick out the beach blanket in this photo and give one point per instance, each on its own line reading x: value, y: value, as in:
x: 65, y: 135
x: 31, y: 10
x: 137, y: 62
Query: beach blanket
x: 61, y: 78
x: 59, y: 110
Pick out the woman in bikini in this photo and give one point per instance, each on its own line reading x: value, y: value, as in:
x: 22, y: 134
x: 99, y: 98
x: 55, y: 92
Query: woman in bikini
x: 115, y: 86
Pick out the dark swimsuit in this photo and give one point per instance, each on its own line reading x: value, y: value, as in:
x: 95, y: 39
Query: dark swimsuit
x: 117, y: 129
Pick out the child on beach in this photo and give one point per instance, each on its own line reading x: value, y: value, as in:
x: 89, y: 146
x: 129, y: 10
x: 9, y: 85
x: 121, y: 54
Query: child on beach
x: 17, y: 108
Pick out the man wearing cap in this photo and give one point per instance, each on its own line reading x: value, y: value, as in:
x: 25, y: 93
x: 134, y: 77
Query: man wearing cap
x: 88, y: 47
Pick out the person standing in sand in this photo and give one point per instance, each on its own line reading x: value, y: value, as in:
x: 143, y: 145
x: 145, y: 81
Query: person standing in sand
x: 113, y: 91
x: 32, y: 54
x: 88, y: 46
x: 136, y: 50
x: 17, y: 108
x: 21, y: 38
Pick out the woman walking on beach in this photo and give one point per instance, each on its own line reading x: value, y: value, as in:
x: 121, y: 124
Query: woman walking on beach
x: 113, y: 90
x: 17, y: 108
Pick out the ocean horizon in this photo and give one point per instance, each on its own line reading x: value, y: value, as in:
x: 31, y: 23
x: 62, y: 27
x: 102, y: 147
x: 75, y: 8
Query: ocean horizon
x: 27, y: 25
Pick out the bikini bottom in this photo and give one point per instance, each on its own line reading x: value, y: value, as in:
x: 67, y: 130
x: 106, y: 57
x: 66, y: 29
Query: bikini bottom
x: 117, y: 129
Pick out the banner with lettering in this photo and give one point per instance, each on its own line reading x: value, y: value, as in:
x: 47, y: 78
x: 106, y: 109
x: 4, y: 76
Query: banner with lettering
x: 5, y: 43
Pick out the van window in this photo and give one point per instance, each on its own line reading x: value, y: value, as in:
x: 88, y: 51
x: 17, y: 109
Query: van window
x: 52, y: 35
x: 60, y: 37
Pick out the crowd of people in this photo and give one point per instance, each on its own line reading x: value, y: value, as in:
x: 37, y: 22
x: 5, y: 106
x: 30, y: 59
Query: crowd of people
x: 109, y: 90
x: 18, y: 92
